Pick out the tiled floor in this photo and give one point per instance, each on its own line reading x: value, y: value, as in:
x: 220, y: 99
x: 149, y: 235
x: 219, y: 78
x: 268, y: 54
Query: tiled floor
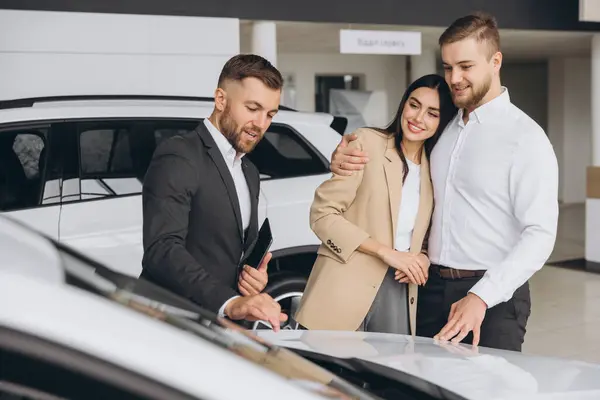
x: 565, y: 317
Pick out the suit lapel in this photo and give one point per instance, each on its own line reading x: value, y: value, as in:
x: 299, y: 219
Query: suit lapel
x: 219, y: 161
x: 425, y: 207
x: 253, y: 187
x: 393, y: 176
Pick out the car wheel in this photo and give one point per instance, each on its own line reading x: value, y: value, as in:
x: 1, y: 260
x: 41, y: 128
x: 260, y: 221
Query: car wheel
x: 287, y: 291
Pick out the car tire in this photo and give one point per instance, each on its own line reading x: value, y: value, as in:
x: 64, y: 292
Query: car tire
x: 283, y: 284
x: 287, y: 290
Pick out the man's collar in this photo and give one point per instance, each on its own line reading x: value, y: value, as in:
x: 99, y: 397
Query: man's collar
x: 222, y: 143
x: 489, y: 109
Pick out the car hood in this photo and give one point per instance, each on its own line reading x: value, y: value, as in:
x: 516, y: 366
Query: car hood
x: 474, y: 374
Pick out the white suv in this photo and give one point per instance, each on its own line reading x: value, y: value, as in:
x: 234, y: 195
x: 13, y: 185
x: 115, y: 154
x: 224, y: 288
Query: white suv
x: 72, y: 168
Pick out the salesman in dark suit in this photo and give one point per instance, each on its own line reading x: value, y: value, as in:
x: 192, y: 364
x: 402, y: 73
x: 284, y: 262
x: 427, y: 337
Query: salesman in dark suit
x: 200, y: 199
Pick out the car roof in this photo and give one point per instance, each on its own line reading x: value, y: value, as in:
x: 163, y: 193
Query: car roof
x: 129, y: 106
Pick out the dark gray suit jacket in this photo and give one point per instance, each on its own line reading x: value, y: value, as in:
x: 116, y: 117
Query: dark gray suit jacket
x: 193, y: 237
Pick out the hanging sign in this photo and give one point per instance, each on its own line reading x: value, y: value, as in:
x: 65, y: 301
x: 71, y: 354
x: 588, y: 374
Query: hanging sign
x: 379, y: 42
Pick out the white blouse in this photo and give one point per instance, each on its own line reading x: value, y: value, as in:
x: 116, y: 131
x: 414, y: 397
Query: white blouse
x: 409, y: 206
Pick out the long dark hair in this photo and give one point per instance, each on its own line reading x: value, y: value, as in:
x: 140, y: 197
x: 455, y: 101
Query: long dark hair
x: 447, y: 112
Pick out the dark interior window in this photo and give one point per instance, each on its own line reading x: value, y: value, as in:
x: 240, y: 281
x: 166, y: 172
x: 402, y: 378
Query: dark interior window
x: 22, y: 167
x: 26, y: 378
x: 115, y: 155
x: 283, y: 153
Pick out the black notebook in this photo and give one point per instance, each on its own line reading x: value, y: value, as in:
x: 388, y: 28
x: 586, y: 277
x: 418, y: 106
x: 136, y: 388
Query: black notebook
x: 262, y: 246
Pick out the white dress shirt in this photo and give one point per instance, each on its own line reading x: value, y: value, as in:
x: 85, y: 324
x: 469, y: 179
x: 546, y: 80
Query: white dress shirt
x: 233, y: 159
x: 495, y: 182
x: 409, y: 206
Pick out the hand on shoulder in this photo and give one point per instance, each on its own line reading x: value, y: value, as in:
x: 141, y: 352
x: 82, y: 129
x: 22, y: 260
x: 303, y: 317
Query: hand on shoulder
x: 349, y: 155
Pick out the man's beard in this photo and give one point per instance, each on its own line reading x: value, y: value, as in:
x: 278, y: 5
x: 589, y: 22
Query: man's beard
x: 233, y: 133
x: 475, y: 99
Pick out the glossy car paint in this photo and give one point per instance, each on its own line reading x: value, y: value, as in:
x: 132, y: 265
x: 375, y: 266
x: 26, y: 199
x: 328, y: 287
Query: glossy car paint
x: 481, y: 373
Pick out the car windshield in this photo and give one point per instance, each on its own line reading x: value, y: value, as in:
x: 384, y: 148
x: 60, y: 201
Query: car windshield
x: 153, y: 301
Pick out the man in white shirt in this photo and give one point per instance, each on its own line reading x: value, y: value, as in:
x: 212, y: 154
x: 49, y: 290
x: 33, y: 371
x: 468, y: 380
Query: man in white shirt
x: 495, y: 179
x: 200, y: 199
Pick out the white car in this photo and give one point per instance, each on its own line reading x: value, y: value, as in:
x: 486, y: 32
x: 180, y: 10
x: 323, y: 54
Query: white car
x: 72, y: 168
x: 72, y: 329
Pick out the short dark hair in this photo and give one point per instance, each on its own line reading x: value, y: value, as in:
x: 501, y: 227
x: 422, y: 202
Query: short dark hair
x: 245, y: 66
x: 480, y: 25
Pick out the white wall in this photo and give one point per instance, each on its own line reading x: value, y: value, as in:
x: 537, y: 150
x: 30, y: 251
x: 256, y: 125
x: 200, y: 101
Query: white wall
x: 60, y: 53
x: 570, y: 124
x: 386, y: 74
x: 425, y: 63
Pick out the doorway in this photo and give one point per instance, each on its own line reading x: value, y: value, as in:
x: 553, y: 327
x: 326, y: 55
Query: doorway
x: 325, y: 83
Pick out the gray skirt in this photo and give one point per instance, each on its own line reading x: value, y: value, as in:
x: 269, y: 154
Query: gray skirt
x: 389, y: 311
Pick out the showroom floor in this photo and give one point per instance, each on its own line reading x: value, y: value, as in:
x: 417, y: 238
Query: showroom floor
x: 565, y: 317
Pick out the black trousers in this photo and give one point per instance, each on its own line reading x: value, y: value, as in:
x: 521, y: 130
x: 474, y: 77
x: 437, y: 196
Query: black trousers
x: 503, y: 326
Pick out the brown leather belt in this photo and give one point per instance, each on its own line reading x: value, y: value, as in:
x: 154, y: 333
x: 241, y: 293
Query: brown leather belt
x: 452, y: 273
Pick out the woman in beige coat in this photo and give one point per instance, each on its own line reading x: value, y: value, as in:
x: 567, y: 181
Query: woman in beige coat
x: 373, y: 224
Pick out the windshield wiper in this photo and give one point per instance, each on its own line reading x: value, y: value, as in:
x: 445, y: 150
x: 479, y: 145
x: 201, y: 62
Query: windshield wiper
x: 383, y: 381
x: 279, y: 360
x: 216, y: 330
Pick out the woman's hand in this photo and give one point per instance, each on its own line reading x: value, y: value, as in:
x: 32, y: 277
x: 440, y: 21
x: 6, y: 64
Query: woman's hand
x: 407, y: 263
x: 424, y: 263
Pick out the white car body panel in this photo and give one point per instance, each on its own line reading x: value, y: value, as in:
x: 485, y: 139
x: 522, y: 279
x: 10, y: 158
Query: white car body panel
x: 84, y: 322
x: 28, y: 254
x: 44, y: 219
x: 486, y: 374
x: 108, y: 230
x: 288, y: 208
x: 150, y: 108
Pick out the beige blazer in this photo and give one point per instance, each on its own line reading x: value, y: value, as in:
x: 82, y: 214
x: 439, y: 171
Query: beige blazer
x: 345, y: 212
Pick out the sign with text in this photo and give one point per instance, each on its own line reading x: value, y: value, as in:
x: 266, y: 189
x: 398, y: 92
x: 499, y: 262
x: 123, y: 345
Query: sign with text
x: 379, y: 42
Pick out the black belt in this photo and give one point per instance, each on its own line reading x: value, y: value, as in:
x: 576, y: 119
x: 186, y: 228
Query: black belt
x: 453, y: 273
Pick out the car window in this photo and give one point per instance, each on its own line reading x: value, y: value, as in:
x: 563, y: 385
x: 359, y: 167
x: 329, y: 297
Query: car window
x: 283, y: 153
x: 105, y: 150
x: 22, y: 167
x: 114, y: 155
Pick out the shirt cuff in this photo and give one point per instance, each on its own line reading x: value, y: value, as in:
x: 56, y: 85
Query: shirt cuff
x: 222, y: 309
x: 486, y: 291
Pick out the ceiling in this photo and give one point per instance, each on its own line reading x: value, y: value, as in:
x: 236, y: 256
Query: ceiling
x: 309, y: 37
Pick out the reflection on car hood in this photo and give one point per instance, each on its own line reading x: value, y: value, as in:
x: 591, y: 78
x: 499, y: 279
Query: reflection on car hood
x: 475, y: 374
